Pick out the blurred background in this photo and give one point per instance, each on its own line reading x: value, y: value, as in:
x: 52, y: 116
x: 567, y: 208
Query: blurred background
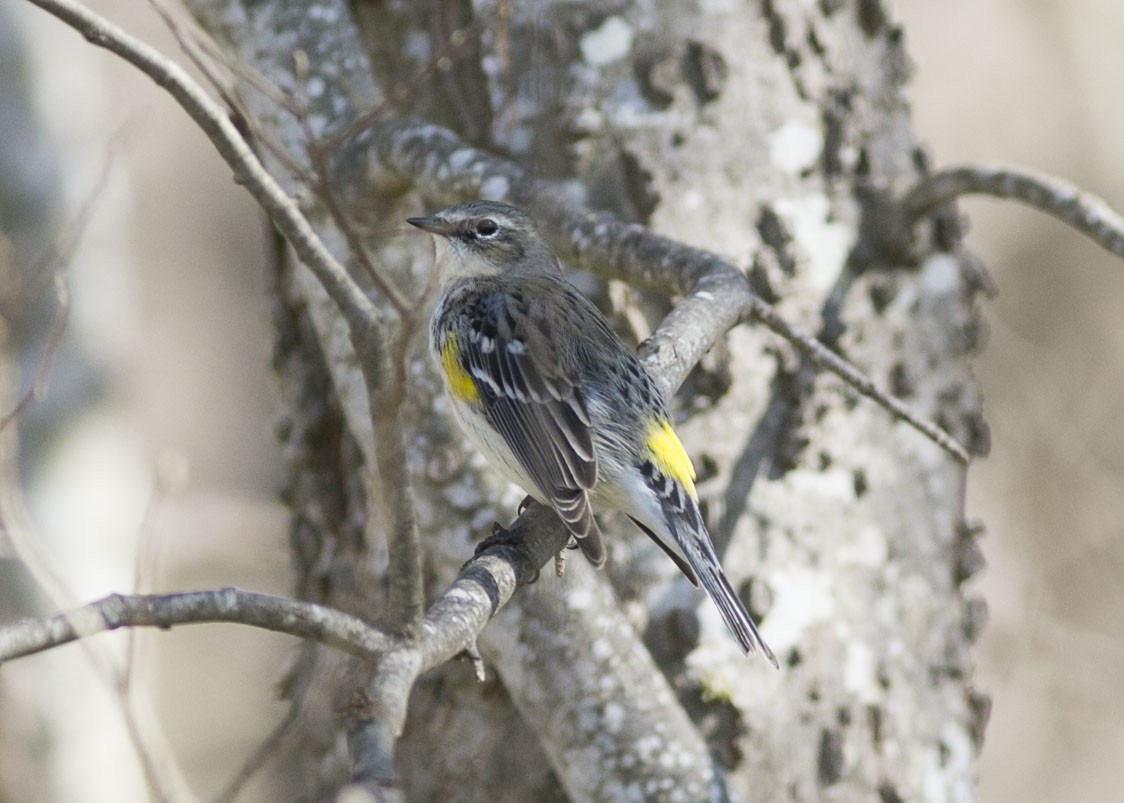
x: 155, y: 438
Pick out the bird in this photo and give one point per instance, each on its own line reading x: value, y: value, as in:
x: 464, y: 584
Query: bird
x: 557, y: 402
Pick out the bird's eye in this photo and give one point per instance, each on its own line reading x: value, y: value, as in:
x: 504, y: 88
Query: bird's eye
x: 486, y: 227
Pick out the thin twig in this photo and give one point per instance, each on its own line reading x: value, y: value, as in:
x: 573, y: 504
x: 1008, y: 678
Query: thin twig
x: 825, y: 358
x: 38, y: 388
x: 483, y: 586
x: 323, y: 186
x: 1083, y: 211
x: 51, y: 264
x: 443, y: 56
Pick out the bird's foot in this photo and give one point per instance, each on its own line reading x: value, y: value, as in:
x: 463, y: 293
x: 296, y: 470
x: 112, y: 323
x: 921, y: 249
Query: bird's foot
x: 502, y: 537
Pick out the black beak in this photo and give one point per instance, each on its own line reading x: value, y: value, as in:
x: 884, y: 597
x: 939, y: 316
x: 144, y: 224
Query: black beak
x: 434, y: 225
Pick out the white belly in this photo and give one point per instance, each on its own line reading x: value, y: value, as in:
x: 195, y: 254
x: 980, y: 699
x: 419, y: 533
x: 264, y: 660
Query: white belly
x: 494, y: 448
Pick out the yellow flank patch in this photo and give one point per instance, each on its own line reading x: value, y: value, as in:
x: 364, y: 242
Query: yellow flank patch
x: 459, y: 382
x: 669, y: 455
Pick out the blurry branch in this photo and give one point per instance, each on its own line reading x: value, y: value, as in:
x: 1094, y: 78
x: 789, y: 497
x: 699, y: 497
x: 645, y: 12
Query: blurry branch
x: 162, y: 773
x: 1083, y: 211
x: 51, y: 263
x: 38, y: 385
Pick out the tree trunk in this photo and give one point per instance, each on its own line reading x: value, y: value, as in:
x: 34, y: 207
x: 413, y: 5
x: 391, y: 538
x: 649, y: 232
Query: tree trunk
x: 759, y: 131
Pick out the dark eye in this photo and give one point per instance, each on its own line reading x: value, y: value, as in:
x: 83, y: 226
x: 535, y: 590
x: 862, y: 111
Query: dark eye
x: 486, y: 227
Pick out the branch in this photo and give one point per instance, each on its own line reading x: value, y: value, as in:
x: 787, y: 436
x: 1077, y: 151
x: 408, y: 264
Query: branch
x: 482, y: 588
x: 1083, y: 211
x: 296, y: 618
x: 718, y: 296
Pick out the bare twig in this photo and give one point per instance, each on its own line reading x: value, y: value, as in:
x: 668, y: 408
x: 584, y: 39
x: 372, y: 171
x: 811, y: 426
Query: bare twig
x: 383, y: 363
x: 444, y: 55
x: 323, y: 186
x: 829, y: 360
x: 484, y: 585
x: 51, y: 264
x: 303, y: 619
x: 38, y: 387
x: 1083, y: 211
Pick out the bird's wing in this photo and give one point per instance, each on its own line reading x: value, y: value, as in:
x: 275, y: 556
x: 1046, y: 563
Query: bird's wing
x: 534, y: 402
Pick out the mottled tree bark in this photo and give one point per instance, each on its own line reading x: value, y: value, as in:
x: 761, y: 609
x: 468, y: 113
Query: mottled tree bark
x: 754, y: 130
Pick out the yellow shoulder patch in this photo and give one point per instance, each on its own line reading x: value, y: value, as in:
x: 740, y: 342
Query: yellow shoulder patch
x: 669, y: 455
x: 460, y: 384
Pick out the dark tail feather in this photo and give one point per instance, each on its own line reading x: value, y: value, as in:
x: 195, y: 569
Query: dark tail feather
x: 734, y: 614
x: 572, y: 506
x: 592, y: 546
x: 700, y: 554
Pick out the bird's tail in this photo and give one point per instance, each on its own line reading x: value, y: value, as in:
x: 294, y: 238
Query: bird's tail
x: 573, y: 508
x: 593, y: 546
x: 696, y: 546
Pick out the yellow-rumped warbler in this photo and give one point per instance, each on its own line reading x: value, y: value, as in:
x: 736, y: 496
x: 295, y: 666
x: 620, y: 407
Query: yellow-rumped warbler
x: 556, y: 401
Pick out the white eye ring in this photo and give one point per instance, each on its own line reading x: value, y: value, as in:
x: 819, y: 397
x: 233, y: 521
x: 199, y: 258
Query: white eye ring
x: 487, y: 228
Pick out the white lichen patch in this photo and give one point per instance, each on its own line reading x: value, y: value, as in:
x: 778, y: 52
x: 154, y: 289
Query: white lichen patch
x: 860, y: 675
x: 326, y: 12
x: 835, y: 484
x: 802, y: 598
x: 315, y: 86
x: 824, y: 242
x: 867, y: 548
x: 613, y: 717
x: 461, y: 159
x: 579, y: 599
x: 940, y: 275
x: 602, y: 649
x: 725, y: 674
x: 611, y: 42
x: 795, y: 147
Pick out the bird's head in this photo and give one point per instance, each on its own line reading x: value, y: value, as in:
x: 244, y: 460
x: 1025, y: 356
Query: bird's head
x: 484, y: 238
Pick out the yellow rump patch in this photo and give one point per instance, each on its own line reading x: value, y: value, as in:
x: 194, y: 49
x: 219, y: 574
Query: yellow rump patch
x: 669, y: 455
x: 459, y: 382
